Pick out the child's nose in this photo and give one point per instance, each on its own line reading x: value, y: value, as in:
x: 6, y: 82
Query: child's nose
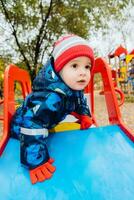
x: 82, y: 72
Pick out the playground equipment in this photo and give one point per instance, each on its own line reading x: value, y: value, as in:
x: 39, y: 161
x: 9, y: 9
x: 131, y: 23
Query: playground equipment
x: 120, y: 65
x: 12, y: 74
x: 130, y: 64
x: 91, y: 164
x: 123, y: 67
x: 118, y: 51
x: 116, y: 88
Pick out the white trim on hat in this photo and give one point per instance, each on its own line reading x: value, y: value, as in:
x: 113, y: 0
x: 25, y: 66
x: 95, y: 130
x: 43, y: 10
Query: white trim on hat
x: 68, y: 43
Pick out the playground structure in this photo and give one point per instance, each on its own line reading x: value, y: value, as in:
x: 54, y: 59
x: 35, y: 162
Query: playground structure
x: 121, y: 67
x: 87, y: 161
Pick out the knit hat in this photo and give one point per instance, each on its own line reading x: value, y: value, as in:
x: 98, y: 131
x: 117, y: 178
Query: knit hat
x: 68, y: 48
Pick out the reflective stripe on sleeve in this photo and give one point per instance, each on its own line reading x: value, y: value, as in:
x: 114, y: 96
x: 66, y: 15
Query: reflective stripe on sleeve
x: 27, y: 131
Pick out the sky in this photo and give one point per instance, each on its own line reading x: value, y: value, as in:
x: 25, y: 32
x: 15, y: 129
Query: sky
x: 118, y: 34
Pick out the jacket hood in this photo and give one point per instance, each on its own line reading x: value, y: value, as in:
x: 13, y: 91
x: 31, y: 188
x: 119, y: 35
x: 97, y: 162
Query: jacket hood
x: 48, y: 79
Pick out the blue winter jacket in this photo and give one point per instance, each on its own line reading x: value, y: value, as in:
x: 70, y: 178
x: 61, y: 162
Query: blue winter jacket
x: 49, y: 103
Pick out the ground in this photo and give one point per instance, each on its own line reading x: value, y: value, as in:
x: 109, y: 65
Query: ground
x: 127, y: 112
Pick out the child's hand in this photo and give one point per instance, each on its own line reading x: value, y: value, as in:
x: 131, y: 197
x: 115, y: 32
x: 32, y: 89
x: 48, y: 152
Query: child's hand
x: 42, y: 172
x: 86, y: 122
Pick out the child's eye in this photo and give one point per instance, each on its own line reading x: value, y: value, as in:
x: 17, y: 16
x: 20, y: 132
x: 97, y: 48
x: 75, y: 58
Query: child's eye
x: 87, y: 66
x: 74, y: 65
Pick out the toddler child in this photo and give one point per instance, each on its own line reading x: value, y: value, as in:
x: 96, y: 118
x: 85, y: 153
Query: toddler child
x: 57, y: 92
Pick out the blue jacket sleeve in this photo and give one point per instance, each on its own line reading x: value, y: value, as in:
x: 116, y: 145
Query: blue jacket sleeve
x: 82, y: 107
x: 34, y: 151
x: 47, y: 111
x: 36, y: 121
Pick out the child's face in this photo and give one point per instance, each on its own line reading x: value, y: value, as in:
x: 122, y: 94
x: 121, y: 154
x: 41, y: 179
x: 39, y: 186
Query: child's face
x: 76, y: 73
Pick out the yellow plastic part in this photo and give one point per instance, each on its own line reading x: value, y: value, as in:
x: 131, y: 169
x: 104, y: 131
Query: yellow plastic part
x: 129, y: 58
x: 65, y: 126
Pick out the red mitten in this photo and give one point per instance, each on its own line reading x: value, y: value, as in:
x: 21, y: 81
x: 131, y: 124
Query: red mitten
x: 42, y: 172
x: 86, y: 122
x: 78, y: 116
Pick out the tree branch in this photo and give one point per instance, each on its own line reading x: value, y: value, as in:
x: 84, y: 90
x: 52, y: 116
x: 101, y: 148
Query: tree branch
x: 39, y: 37
x: 43, y: 52
x: 14, y: 33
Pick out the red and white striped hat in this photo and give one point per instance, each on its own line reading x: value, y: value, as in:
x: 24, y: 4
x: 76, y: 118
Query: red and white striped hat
x: 68, y: 48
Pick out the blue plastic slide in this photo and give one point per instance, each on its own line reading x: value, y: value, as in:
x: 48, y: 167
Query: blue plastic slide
x: 93, y: 164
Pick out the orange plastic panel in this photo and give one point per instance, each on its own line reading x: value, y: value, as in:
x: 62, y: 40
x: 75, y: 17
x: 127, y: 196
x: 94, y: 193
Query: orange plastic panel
x: 102, y: 67
x: 12, y: 74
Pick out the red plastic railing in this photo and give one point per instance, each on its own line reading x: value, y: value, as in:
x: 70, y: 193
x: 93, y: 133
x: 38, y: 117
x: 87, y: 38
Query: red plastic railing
x: 102, y: 67
x: 12, y: 74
